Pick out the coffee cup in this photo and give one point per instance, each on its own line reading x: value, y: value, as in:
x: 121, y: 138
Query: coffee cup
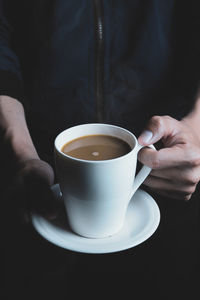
x: 96, y: 193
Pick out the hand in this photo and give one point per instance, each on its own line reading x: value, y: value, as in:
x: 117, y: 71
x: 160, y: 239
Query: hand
x: 176, y: 166
x: 32, y: 187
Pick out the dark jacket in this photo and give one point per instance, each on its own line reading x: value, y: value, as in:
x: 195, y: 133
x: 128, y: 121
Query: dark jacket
x: 115, y: 61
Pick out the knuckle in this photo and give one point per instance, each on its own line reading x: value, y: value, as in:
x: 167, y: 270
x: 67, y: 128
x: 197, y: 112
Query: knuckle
x: 193, y: 158
x: 168, y: 118
x: 194, y: 180
x: 187, y: 197
x: 189, y: 190
x: 156, y: 121
x: 191, y: 179
x: 195, y: 161
x: 157, y: 124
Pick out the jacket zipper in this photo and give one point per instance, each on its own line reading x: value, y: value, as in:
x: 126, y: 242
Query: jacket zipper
x: 99, y: 58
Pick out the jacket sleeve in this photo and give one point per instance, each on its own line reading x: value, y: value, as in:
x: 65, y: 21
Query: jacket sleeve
x: 11, y: 82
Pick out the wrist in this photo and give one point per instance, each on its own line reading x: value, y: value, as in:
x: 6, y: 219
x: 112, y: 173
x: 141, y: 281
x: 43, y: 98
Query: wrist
x: 14, y: 131
x: 19, y: 145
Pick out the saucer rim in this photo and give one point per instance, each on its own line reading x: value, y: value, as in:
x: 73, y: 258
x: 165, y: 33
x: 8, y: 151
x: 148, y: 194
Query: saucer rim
x: 39, y: 221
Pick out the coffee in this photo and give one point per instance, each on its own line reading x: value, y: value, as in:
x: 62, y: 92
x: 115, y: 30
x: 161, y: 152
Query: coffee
x: 96, y: 147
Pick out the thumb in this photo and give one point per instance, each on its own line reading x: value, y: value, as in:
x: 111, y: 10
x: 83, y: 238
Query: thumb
x: 157, y: 128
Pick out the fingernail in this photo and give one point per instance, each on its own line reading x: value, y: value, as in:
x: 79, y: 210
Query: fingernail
x: 146, y: 136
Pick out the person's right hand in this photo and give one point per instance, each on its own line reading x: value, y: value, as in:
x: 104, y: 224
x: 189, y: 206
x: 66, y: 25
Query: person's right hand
x: 32, y: 187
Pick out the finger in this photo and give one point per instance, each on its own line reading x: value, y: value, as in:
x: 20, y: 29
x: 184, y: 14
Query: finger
x: 172, y: 194
x: 188, y: 176
x: 165, y: 158
x: 158, y: 127
x: 169, y: 186
x: 43, y: 201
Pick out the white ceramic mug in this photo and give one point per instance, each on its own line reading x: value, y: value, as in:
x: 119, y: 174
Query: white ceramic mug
x: 96, y: 194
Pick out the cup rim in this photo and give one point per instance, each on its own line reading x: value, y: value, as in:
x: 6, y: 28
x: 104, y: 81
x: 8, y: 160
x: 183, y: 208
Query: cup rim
x: 96, y: 161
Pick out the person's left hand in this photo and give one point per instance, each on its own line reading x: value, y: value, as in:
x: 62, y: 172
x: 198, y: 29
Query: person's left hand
x: 30, y: 190
x: 176, y: 166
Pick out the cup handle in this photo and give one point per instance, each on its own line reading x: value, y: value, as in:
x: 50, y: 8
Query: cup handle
x: 143, y: 173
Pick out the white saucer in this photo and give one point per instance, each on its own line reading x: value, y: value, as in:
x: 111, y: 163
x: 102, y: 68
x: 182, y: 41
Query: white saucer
x: 142, y: 219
